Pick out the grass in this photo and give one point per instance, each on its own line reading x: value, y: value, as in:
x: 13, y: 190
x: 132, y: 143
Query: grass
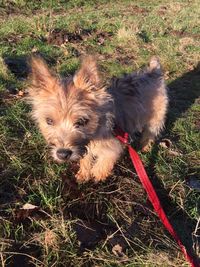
x: 125, y: 230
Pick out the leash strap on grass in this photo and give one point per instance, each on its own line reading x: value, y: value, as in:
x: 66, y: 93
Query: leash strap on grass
x: 123, y: 137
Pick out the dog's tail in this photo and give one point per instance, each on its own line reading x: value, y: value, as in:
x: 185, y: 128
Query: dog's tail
x: 154, y: 66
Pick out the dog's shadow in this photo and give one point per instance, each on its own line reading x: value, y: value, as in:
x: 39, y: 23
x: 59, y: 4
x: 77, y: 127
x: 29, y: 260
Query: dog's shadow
x: 183, y: 92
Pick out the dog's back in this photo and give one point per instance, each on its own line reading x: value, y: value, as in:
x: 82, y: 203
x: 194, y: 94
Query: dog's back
x: 141, y: 100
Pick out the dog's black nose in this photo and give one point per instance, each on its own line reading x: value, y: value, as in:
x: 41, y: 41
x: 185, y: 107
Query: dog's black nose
x: 63, y: 153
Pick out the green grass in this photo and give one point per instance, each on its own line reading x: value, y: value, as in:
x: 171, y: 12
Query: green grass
x: 123, y: 34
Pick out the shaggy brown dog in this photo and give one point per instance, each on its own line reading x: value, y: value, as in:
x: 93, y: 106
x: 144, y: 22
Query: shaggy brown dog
x: 76, y: 116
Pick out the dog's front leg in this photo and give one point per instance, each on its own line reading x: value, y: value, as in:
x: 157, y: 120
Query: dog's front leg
x: 84, y: 173
x: 106, y: 152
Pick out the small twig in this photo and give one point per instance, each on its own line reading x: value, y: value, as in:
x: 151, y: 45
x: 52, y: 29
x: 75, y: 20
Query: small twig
x: 109, y: 237
x: 196, y: 236
x: 126, y: 169
x: 197, y: 227
x: 121, y: 231
x: 111, y: 192
x: 2, y: 260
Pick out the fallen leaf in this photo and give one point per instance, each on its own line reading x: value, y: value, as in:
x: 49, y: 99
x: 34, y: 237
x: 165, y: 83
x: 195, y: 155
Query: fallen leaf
x: 29, y: 206
x: 50, y: 239
x: 101, y: 40
x: 167, y: 75
x: 26, y: 211
x: 34, y: 50
x: 20, y: 93
x: 117, y: 250
x: 165, y: 143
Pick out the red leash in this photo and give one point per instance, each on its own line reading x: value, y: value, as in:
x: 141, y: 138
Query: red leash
x: 123, y: 137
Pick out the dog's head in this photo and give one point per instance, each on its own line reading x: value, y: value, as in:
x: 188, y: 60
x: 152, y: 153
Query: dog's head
x: 72, y: 112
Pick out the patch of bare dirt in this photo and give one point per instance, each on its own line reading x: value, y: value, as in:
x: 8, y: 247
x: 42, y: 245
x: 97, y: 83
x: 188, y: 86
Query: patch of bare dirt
x: 61, y: 36
x: 101, y: 37
x: 124, y: 58
x: 183, y: 33
x: 139, y: 10
x: 17, y: 38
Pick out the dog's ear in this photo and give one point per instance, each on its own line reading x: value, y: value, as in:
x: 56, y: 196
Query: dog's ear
x: 41, y: 77
x: 87, y: 76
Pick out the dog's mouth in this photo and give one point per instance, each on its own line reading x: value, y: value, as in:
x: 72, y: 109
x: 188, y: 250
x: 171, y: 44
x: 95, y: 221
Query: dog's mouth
x: 78, y: 154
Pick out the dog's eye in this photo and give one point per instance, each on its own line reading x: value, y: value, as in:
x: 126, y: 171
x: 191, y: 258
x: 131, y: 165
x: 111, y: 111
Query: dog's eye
x: 49, y: 121
x: 81, y: 122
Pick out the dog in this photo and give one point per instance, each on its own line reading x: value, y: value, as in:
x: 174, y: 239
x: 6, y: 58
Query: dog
x: 77, y: 115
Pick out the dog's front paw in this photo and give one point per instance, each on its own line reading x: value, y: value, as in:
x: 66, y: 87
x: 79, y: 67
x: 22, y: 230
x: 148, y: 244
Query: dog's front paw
x: 99, y: 174
x: 146, y: 147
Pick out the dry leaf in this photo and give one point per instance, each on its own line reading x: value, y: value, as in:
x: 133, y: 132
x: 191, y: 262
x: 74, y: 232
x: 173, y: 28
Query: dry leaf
x: 165, y: 143
x: 29, y: 206
x: 117, y: 250
x: 50, y: 239
x: 34, y: 50
x: 26, y: 211
x: 20, y: 93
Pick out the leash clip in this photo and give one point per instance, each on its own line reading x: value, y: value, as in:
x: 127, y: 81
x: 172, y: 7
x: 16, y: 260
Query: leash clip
x: 127, y: 139
x: 124, y: 137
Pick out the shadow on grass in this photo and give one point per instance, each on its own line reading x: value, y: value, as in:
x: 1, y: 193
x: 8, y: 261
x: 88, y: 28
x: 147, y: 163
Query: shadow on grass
x: 13, y: 177
x: 182, y: 92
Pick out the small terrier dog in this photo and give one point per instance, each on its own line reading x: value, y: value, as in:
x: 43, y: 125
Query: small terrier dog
x: 77, y: 115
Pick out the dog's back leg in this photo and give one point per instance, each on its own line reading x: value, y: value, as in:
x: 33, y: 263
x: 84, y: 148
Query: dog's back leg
x: 155, y: 125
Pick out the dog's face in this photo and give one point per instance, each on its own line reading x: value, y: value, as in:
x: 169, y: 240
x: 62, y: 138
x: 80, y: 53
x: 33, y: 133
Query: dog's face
x: 69, y: 113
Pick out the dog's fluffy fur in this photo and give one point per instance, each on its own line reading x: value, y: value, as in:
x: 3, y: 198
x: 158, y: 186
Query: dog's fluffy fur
x: 77, y: 115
